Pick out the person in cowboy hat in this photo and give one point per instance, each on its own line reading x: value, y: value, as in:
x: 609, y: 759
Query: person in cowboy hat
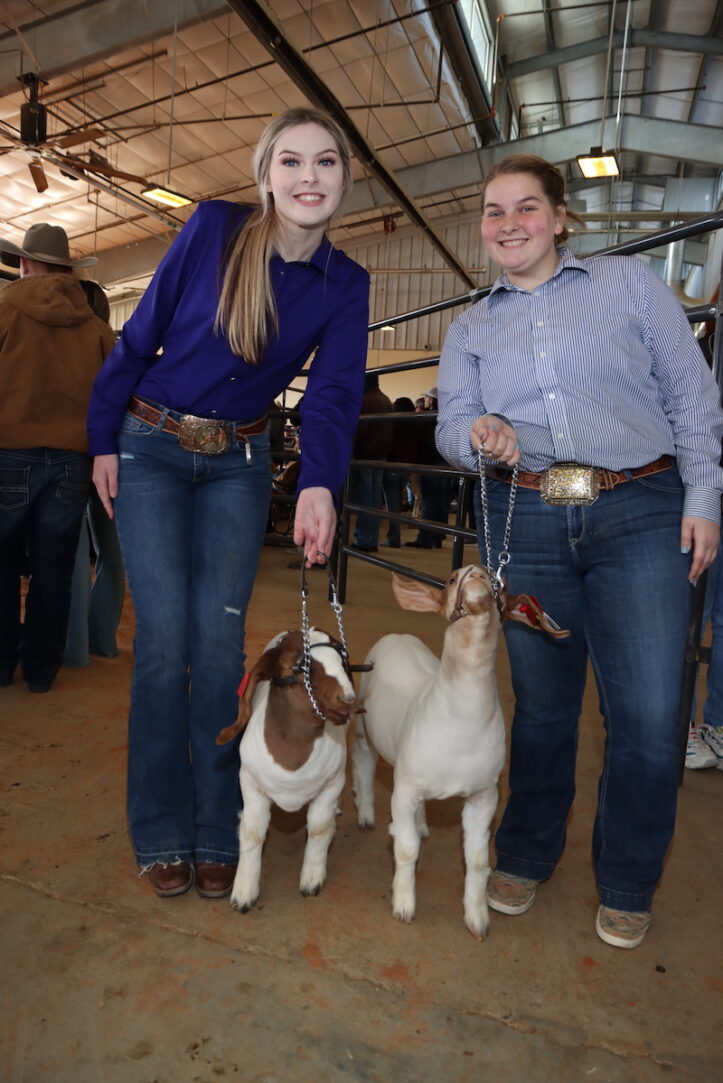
x: 51, y: 347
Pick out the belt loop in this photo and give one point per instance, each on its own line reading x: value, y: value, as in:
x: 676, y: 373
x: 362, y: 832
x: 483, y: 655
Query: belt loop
x: 248, y: 449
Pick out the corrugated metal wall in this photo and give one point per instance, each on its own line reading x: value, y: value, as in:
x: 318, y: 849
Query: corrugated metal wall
x: 408, y: 273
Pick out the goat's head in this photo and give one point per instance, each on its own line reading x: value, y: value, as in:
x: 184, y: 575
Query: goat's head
x: 282, y: 663
x: 467, y: 593
x: 329, y: 672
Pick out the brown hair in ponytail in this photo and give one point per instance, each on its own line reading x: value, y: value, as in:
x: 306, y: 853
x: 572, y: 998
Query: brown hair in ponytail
x: 246, y: 311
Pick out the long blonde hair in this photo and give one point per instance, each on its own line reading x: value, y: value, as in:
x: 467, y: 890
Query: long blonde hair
x: 247, y: 312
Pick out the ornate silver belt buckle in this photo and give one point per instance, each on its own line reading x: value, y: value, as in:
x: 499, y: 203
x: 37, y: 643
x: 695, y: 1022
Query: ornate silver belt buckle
x: 203, y: 436
x: 570, y: 483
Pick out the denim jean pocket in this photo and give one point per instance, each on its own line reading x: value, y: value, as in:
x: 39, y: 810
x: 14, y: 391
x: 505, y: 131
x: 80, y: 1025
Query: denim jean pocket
x: 14, y: 487
x: 136, y: 427
x: 74, y: 488
x: 667, y: 481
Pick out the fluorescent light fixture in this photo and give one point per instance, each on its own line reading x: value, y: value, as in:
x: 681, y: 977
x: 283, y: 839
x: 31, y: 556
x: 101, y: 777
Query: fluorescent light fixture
x: 386, y: 327
x: 598, y: 163
x: 165, y: 195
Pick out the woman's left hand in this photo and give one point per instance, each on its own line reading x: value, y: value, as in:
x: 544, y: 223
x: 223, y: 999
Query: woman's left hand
x: 314, y: 524
x: 701, y: 538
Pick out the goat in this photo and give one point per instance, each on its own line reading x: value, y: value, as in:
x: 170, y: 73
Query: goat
x: 290, y: 755
x: 439, y: 722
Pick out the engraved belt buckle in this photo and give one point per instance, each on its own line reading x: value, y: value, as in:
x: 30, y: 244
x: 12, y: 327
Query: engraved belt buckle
x: 570, y: 483
x: 203, y: 436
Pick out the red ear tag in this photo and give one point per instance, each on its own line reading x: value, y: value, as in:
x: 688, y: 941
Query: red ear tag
x: 243, y: 686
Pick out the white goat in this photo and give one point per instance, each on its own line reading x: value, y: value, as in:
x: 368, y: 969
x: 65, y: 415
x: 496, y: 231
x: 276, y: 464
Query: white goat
x: 440, y: 724
x: 289, y: 755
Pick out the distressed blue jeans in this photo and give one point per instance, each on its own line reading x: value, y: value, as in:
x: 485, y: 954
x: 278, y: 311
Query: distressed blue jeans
x: 43, y: 493
x: 614, y: 575
x: 191, y: 529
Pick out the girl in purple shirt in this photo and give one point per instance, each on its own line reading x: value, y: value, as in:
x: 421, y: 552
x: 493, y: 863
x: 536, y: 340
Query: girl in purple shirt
x: 240, y: 302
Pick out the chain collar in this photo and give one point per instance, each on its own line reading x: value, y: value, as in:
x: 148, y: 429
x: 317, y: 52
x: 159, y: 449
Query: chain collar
x: 503, y: 559
x: 306, y: 657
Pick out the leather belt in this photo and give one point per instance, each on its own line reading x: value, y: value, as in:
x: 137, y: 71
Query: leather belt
x: 604, y: 479
x: 205, y: 435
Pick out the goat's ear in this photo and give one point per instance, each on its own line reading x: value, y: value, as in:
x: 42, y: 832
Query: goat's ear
x: 411, y: 594
x: 527, y: 610
x: 245, y: 703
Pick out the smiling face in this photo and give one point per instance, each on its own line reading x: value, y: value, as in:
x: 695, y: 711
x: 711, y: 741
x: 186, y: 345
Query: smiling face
x: 519, y: 228
x: 306, y: 179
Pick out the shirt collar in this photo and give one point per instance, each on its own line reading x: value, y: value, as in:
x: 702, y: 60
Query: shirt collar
x: 325, y: 259
x: 568, y: 262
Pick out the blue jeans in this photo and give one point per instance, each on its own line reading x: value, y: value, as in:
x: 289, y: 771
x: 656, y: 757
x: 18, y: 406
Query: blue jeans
x: 435, y: 507
x: 43, y: 493
x: 367, y: 489
x: 614, y: 575
x: 95, y: 608
x: 191, y: 529
x: 713, y: 706
x: 392, y: 486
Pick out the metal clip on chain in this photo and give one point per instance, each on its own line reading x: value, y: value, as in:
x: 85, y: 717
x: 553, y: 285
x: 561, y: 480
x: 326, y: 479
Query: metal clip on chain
x: 336, y: 606
x: 503, y: 559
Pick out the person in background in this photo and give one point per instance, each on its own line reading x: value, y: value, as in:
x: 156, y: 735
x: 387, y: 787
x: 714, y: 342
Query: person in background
x: 240, y: 302
x: 705, y: 742
x: 394, y: 482
x: 434, y: 488
x: 51, y: 347
x: 373, y: 440
x: 96, y: 603
x: 617, y: 433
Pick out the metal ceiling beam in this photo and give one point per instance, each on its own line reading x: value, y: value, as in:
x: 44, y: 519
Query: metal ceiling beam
x: 268, y: 31
x: 88, y: 32
x: 643, y: 135
x: 704, y: 73
x: 650, y: 39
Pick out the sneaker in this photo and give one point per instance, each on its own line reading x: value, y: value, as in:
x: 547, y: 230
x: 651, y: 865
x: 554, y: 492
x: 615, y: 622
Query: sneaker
x: 622, y: 928
x: 510, y: 894
x: 699, y: 754
x: 713, y: 737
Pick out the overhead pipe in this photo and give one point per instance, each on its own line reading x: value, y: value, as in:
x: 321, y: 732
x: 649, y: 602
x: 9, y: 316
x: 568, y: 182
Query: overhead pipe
x: 263, y: 25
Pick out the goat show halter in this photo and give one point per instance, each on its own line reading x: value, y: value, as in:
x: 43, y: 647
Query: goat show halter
x: 498, y: 583
x: 343, y: 650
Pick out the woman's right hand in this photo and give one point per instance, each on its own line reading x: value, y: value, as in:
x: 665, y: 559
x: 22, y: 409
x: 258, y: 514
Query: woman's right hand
x: 105, y: 479
x: 497, y: 439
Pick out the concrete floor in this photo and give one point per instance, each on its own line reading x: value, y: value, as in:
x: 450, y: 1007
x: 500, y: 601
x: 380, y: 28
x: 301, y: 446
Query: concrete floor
x: 101, y: 981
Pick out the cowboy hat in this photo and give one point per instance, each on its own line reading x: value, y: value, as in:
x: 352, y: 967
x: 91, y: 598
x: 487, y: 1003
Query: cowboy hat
x: 44, y: 243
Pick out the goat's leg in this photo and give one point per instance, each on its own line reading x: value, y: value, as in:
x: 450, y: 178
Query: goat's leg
x: 476, y: 820
x: 253, y: 825
x: 421, y: 820
x: 364, y: 764
x: 406, y: 850
x: 320, y: 826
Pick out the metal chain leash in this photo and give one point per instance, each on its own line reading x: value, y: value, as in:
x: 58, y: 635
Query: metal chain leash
x: 503, y: 559
x: 306, y: 645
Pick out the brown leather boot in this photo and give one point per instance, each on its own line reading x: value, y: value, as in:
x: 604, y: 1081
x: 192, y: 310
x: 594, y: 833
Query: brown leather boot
x: 171, y: 880
x: 214, y: 881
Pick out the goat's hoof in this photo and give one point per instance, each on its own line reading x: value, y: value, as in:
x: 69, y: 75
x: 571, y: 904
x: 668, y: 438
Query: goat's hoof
x: 478, y: 929
x: 243, y: 907
x: 404, y: 915
x: 365, y: 825
x: 311, y: 889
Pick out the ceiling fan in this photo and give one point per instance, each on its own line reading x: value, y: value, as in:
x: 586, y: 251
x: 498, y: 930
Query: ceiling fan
x: 33, y: 138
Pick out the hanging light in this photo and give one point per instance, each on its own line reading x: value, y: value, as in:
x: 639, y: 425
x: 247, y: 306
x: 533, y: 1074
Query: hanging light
x: 598, y: 163
x: 165, y: 195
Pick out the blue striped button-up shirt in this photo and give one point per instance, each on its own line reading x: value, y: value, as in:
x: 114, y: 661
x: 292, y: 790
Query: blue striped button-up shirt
x: 598, y: 365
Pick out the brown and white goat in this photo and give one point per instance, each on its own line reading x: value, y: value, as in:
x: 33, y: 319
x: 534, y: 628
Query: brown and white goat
x: 439, y: 722
x: 289, y: 755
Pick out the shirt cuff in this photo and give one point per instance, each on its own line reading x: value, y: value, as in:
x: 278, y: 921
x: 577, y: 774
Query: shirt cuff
x: 702, y: 503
